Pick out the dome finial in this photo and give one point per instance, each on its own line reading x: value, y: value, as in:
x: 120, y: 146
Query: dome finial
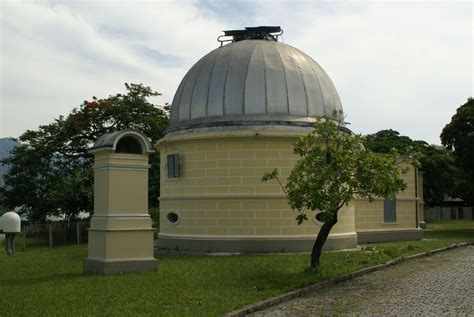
x: 270, y: 33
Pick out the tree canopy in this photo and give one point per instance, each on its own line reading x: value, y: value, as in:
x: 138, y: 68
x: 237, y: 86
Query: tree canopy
x: 458, y: 137
x: 51, y: 172
x: 333, y: 167
x: 440, y: 170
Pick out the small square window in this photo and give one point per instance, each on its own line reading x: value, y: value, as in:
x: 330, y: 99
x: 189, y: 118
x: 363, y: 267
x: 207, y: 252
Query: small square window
x: 390, y: 210
x: 173, y: 165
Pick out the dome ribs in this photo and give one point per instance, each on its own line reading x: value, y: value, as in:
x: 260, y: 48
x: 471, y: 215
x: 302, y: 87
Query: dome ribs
x: 275, y: 79
x: 296, y: 91
x: 174, y: 115
x: 201, y: 88
x: 297, y: 63
x: 265, y: 79
x: 244, y: 94
x: 209, y: 81
x: 253, y: 83
x: 199, y: 69
x: 326, y: 88
x: 226, y: 76
x: 284, y: 69
x: 217, y: 83
x: 316, y: 102
x: 255, y: 96
x: 235, y: 79
x: 185, y: 102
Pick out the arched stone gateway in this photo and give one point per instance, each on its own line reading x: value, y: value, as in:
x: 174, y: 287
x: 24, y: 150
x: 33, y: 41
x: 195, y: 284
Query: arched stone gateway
x: 120, y: 236
x: 235, y: 115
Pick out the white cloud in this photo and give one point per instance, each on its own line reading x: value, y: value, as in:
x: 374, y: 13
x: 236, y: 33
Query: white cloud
x: 400, y: 65
x: 55, y: 56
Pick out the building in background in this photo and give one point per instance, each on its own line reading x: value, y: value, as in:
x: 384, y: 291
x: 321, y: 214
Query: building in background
x: 450, y: 209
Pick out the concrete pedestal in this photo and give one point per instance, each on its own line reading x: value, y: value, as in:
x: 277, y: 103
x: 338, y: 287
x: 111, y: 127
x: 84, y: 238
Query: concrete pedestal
x: 121, y: 235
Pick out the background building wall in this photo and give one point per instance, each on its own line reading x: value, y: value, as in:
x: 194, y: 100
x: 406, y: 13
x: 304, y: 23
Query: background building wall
x: 438, y: 213
x: 369, y: 216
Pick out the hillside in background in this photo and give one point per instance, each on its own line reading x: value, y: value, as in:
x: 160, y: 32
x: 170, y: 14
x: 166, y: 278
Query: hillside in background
x: 6, y: 145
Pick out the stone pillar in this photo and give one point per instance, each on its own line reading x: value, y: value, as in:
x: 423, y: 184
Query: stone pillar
x: 120, y: 235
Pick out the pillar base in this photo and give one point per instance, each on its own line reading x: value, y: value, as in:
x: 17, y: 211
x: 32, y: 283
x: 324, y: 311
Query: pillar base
x: 253, y: 244
x: 106, y: 267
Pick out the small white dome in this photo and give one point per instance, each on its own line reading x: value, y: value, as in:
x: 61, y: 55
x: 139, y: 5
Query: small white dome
x: 253, y: 82
x: 10, y: 222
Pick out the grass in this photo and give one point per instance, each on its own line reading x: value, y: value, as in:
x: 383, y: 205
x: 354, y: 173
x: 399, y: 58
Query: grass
x: 40, y: 281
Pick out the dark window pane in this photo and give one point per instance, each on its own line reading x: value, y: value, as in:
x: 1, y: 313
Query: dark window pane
x: 173, y: 165
x: 390, y: 210
x: 170, y: 166
x: 176, y: 165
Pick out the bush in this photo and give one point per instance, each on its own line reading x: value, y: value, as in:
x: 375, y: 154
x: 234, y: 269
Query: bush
x: 154, y: 214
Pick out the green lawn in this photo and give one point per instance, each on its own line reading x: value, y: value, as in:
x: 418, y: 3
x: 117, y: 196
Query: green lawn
x: 41, y: 281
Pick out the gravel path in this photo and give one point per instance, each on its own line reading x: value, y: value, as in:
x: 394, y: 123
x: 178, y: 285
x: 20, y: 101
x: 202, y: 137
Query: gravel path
x: 441, y: 284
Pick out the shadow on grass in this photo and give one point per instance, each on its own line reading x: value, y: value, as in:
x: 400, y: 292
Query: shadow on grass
x: 63, y: 277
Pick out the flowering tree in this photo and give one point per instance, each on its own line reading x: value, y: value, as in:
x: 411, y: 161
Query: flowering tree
x: 334, y: 167
x: 51, y: 172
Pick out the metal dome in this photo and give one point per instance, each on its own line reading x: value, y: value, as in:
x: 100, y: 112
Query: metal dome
x: 253, y: 82
x: 10, y: 222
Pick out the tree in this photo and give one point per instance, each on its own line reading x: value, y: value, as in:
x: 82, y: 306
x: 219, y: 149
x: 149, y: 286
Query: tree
x: 3, y: 208
x: 333, y: 167
x: 458, y: 137
x: 440, y: 171
x: 51, y: 172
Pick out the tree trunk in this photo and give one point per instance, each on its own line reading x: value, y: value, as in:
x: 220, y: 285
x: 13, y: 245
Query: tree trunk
x: 321, y: 239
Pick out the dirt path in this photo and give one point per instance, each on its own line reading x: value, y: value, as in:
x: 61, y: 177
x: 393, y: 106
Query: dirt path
x: 442, y: 284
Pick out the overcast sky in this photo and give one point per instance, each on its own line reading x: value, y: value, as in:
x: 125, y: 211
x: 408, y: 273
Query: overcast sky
x: 400, y: 65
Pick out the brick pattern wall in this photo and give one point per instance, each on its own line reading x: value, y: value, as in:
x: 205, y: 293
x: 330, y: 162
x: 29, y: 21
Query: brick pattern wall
x: 220, y: 193
x: 370, y: 216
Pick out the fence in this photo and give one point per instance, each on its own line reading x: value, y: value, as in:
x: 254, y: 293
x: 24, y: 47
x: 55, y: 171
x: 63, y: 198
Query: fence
x: 56, y: 233
x: 455, y: 213
x: 51, y: 234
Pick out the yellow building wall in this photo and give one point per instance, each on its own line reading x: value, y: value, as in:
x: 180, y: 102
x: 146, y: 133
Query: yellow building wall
x: 219, y: 191
x: 370, y: 215
x: 421, y: 211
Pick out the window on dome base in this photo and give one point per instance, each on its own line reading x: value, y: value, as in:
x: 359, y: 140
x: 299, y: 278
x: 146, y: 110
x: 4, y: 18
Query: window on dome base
x: 173, y: 165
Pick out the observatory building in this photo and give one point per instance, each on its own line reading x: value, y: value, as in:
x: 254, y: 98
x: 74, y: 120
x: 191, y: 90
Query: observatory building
x: 234, y: 117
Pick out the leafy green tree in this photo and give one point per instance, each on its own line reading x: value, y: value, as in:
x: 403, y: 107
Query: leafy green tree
x: 3, y: 208
x: 458, y: 137
x: 440, y: 171
x: 333, y: 167
x: 51, y: 172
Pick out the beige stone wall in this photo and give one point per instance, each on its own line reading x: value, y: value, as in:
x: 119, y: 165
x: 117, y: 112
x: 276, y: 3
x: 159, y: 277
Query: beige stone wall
x: 120, y: 235
x: 220, y: 194
x: 421, y: 211
x: 240, y: 217
x: 120, y: 183
x: 370, y: 216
